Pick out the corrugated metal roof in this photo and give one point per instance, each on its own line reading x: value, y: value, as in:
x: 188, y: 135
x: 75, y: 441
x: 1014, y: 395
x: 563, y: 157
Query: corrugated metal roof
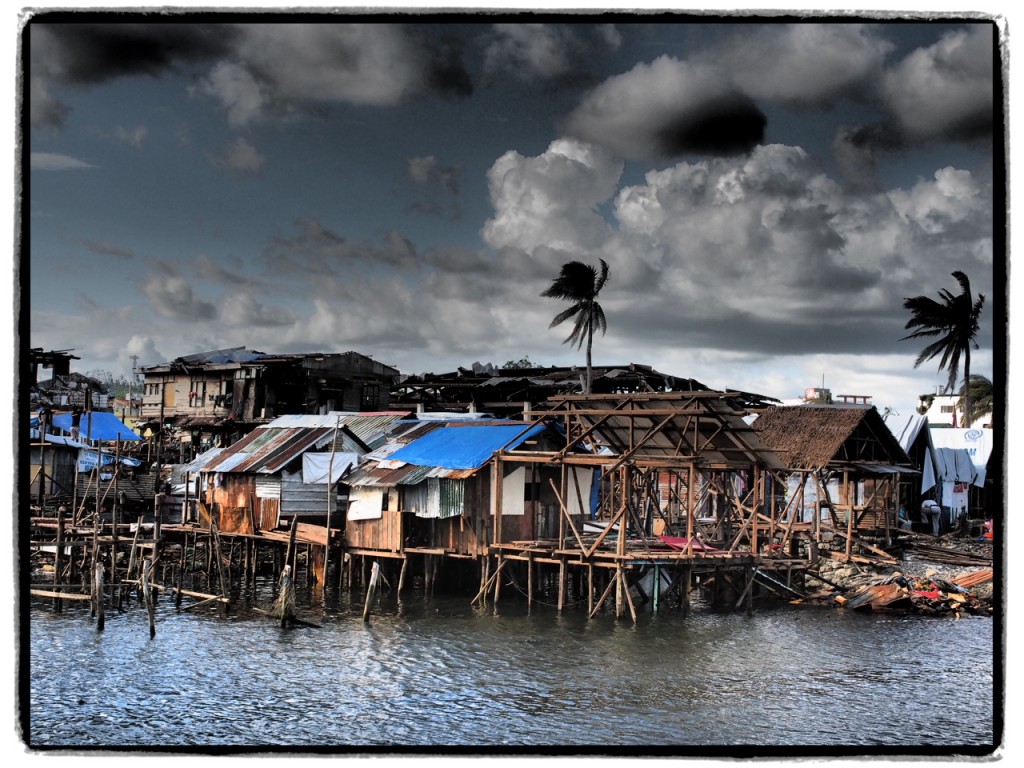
x: 268, y: 450
x: 199, y: 461
x: 465, y: 446
x: 406, y: 474
x: 372, y: 428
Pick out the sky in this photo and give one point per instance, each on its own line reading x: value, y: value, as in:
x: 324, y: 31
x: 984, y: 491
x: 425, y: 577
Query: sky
x: 766, y: 194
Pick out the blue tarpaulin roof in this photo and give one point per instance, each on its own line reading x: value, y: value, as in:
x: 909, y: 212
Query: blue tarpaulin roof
x: 463, y: 447
x: 105, y: 426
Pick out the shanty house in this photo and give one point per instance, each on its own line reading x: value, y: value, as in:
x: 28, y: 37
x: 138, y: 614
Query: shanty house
x: 82, y: 462
x: 432, y: 489
x: 287, y: 469
x: 843, y: 461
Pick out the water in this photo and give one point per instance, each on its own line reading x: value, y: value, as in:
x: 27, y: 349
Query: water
x: 434, y: 672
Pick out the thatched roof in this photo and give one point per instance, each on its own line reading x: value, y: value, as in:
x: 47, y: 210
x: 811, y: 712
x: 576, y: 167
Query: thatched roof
x: 815, y: 437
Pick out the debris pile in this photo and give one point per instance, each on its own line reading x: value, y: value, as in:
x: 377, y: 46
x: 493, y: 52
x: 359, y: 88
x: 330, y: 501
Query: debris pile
x: 950, y: 584
x: 923, y: 595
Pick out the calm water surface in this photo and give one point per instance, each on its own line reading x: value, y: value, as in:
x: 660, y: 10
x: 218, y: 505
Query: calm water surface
x: 434, y: 672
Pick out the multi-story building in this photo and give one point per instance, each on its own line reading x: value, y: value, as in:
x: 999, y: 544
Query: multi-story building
x: 233, y: 390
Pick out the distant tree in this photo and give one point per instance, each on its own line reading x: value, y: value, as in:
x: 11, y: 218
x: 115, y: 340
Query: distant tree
x: 523, y: 362
x: 954, y: 320
x: 580, y: 283
x: 924, y: 402
x: 113, y: 385
x: 976, y: 398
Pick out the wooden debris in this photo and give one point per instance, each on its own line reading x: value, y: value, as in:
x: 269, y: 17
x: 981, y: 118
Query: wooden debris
x: 915, y: 595
x: 948, y: 555
x: 969, y: 580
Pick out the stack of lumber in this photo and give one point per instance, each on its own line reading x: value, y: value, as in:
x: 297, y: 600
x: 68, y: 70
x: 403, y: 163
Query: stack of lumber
x: 949, y: 556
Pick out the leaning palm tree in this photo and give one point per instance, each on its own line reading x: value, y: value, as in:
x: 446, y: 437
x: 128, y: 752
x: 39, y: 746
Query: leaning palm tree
x: 976, y: 398
x: 954, y: 320
x: 580, y: 283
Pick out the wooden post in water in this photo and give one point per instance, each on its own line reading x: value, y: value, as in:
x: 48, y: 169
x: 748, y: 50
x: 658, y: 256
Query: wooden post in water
x: 497, y: 580
x: 590, y: 589
x: 147, y: 594
x: 657, y: 588
x: 685, y: 587
x: 58, y: 559
x: 97, y: 586
x: 561, y: 583
x: 401, y: 573
x: 284, y: 606
x: 371, y: 590
x: 529, y: 579
x: 289, y: 557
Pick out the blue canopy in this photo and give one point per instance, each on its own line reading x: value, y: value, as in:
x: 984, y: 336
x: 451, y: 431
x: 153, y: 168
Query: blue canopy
x: 468, y: 446
x: 97, y: 425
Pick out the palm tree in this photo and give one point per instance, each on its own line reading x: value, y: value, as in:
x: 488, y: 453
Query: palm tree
x: 955, y: 321
x: 976, y: 399
x: 580, y: 283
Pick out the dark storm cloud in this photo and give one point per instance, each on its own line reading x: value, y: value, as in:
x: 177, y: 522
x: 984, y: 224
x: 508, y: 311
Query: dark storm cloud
x: 729, y: 126
x: 731, y: 330
x: 446, y: 73
x: 94, y: 53
x: 666, y: 109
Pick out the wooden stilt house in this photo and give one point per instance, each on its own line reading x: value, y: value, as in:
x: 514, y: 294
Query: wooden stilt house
x: 843, y: 464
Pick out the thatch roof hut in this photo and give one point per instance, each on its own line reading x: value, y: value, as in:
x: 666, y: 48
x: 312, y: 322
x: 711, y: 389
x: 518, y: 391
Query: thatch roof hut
x: 818, y: 437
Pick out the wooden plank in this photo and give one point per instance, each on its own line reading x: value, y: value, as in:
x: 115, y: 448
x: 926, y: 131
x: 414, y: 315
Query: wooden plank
x: 61, y: 595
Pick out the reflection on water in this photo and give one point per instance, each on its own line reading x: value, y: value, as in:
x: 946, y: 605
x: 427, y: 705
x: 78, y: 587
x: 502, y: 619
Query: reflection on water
x: 435, y: 672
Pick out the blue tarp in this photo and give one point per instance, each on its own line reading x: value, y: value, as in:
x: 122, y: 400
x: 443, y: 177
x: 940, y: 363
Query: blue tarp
x: 87, y: 460
x: 105, y: 426
x: 463, y: 447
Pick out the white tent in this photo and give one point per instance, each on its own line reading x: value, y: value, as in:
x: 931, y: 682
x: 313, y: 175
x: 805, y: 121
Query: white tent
x: 976, y: 442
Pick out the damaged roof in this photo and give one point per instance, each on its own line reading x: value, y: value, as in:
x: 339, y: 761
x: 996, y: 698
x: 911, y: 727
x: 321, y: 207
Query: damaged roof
x: 269, y: 449
x: 815, y: 437
x: 702, y: 426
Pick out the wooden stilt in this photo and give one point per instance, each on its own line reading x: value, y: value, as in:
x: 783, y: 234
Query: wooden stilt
x: 561, y: 584
x: 529, y: 581
x: 590, y: 589
x: 685, y: 587
x: 58, y: 560
x: 370, y: 591
x: 497, y: 581
x: 401, y: 574
x: 97, y: 585
x: 147, y: 594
